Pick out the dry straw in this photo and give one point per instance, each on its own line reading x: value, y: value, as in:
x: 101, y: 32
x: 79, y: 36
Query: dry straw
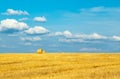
x: 41, y: 51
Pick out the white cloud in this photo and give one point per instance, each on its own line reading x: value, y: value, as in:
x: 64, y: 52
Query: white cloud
x: 23, y: 19
x: 90, y: 36
x: 12, y: 24
x: 65, y: 33
x: 58, y: 34
x: 36, y: 38
x: 69, y: 35
x: 84, y: 38
x: 89, y: 49
x: 37, y: 30
x: 93, y: 9
x: 116, y: 38
x: 101, y: 9
x: 40, y: 19
x: 15, y: 12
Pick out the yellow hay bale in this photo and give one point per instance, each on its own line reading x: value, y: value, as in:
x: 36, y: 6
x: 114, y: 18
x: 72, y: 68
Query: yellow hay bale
x: 44, y: 51
x: 40, y: 51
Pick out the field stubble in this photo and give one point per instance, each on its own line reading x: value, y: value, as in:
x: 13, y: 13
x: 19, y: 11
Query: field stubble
x: 60, y: 66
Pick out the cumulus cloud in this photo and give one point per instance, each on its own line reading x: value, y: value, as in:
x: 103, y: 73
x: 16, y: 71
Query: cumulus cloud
x: 90, y: 36
x: 57, y: 34
x: 15, y: 12
x: 37, y: 38
x: 116, y: 38
x: 23, y: 19
x: 40, y: 19
x: 37, y: 30
x: 66, y: 33
x: 69, y: 35
x: 12, y: 24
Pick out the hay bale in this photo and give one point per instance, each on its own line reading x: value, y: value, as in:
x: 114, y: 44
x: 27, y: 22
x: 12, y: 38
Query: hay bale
x: 44, y: 51
x: 41, y: 51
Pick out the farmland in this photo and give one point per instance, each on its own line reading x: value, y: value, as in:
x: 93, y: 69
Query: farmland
x: 60, y: 66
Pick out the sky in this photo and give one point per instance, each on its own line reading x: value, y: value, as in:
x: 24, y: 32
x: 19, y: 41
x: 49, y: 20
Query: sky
x: 60, y: 25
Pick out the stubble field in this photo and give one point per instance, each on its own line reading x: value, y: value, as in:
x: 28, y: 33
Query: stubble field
x: 60, y: 66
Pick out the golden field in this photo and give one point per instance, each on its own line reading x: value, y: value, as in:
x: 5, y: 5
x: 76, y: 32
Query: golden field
x: 60, y: 66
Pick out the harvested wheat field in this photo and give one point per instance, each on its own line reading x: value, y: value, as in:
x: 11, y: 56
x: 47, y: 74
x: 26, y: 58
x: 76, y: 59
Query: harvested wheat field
x: 60, y: 66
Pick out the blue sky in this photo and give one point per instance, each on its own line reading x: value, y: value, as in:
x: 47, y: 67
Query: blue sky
x: 60, y: 26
